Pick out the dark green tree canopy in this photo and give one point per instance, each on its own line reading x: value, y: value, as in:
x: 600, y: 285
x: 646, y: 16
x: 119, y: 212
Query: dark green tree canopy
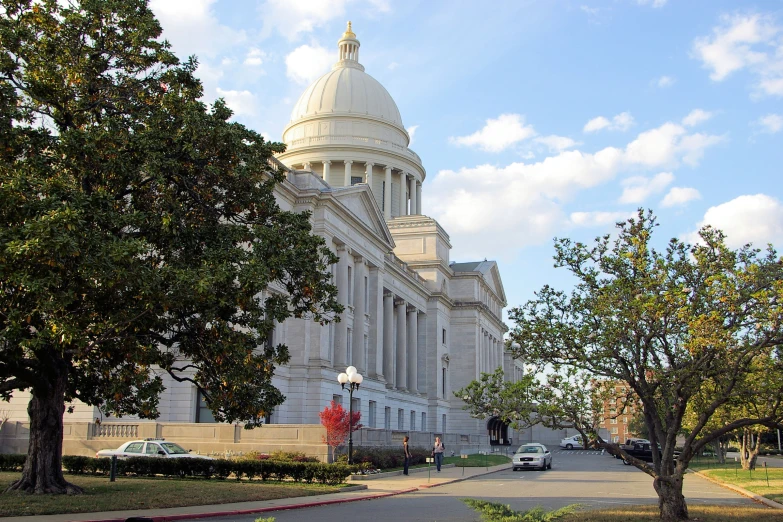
x: 140, y: 232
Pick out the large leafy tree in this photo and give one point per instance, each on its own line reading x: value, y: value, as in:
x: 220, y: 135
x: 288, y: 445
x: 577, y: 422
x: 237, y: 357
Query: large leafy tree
x: 666, y: 323
x: 560, y: 399
x: 139, y: 232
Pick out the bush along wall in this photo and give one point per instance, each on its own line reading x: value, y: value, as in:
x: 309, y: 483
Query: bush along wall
x: 385, y: 458
x: 207, y: 468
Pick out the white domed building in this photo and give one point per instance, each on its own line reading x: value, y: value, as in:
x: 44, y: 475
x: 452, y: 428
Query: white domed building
x: 416, y: 326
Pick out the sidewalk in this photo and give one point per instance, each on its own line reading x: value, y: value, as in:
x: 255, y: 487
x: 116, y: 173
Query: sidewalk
x: 362, y: 490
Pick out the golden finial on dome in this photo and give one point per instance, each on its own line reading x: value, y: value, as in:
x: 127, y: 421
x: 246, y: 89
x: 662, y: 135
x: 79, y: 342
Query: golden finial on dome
x: 348, y: 33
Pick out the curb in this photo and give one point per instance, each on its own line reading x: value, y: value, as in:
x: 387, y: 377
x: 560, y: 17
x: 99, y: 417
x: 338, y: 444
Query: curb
x: 398, y: 473
x: 741, y: 491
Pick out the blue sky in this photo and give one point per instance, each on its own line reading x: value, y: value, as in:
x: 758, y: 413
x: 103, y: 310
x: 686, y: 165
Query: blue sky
x: 535, y: 119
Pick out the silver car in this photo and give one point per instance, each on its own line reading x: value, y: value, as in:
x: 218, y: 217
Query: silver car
x: 150, y: 448
x: 532, y: 455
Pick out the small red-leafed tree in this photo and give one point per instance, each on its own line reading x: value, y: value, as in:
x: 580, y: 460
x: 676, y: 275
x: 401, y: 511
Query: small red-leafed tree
x: 336, y: 421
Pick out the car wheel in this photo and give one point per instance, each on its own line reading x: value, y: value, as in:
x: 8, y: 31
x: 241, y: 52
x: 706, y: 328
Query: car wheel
x: 549, y: 466
x: 514, y: 469
x: 626, y: 462
x: 569, y: 446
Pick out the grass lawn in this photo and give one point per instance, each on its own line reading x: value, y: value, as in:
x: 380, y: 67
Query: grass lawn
x: 147, y: 493
x: 477, y: 461
x: 649, y: 513
x: 755, y: 481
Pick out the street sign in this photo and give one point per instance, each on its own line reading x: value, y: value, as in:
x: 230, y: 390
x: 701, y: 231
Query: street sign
x: 430, y: 459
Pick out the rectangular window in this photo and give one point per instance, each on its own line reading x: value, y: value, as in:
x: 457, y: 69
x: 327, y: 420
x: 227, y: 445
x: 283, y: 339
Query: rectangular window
x: 366, y: 348
x: 423, y: 421
x: 356, y: 179
x: 366, y: 295
x: 387, y: 418
x: 443, y: 423
x: 625, y: 420
x: 613, y: 421
x: 444, y: 336
x: 413, y: 420
x: 203, y: 413
x: 614, y: 431
x: 349, y: 347
x: 443, y: 383
x: 383, y: 195
x: 400, y: 418
x: 371, y: 419
x: 350, y: 286
x: 338, y: 399
x: 356, y: 404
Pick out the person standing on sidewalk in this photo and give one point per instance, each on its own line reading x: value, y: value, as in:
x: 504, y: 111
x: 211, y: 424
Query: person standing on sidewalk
x: 407, y: 454
x: 437, y: 452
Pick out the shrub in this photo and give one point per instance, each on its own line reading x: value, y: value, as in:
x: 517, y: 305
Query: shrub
x: 385, y: 457
x: 13, y: 462
x: 293, y: 456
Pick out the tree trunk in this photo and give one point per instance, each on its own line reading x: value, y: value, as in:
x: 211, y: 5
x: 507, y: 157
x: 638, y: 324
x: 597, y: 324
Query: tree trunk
x: 749, y: 449
x: 671, y: 501
x: 43, y: 470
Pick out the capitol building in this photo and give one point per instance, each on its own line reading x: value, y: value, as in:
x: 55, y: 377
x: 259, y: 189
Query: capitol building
x: 416, y: 325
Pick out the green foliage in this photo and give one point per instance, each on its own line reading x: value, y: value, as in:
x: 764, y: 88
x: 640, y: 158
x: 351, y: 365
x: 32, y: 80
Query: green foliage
x: 268, y: 519
x: 12, y: 462
x: 220, y: 469
x: 565, y: 398
x: 385, y: 458
x: 683, y: 326
x: 494, y: 512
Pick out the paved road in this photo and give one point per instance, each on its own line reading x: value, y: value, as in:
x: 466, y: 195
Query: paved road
x: 577, y: 477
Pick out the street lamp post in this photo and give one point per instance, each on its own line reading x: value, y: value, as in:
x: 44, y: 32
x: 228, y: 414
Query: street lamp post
x: 353, y: 379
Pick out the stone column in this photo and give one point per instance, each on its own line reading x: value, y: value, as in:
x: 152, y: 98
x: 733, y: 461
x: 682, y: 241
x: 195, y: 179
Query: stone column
x: 347, y: 173
x: 403, y: 195
x: 414, y: 203
x: 387, y: 191
x: 402, y: 342
x: 368, y: 173
x: 327, y: 169
x: 341, y: 328
x: 418, y: 198
x: 359, y: 272
x: 413, y: 350
x: 388, y: 338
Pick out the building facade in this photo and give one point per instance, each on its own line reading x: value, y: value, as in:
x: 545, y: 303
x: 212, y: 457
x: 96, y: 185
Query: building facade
x: 416, y: 325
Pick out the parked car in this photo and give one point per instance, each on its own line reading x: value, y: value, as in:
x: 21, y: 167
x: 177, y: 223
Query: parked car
x: 532, y: 455
x: 572, y: 442
x: 629, y: 443
x: 159, y: 448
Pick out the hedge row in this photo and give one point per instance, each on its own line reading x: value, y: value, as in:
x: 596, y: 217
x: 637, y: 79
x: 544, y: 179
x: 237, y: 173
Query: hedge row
x: 386, y: 458
x: 194, y: 467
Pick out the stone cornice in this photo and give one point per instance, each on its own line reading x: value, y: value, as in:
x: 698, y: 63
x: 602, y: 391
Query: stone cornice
x: 478, y: 305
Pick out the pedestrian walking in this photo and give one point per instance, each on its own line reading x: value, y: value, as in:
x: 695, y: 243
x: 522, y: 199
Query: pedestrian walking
x: 407, y: 454
x: 437, y: 452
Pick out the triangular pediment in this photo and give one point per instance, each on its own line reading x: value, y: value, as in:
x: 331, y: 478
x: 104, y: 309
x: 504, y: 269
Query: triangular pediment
x: 492, y: 277
x: 359, y: 201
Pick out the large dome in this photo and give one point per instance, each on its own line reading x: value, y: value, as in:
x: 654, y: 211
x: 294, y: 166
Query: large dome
x: 347, y: 90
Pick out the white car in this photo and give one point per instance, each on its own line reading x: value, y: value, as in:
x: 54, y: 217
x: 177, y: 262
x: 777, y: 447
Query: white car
x: 150, y: 448
x: 572, y: 442
x: 532, y: 455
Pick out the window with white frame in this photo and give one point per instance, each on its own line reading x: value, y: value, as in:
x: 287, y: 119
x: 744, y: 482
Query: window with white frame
x: 371, y: 419
x: 413, y: 420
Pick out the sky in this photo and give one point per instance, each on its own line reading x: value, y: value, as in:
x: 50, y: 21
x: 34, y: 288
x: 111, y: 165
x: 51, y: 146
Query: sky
x: 534, y: 119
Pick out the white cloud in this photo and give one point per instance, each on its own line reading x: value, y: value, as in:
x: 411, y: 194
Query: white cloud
x: 598, y: 219
x: 504, y: 208
x: 392, y: 66
x: 192, y: 27
x: 556, y: 143
x: 305, y: 63
x: 411, y: 132
x: 655, y: 3
x: 639, y: 188
x: 744, y: 41
x: 255, y: 57
x: 756, y: 219
x: 667, y: 145
x: 498, y: 134
x: 292, y: 17
x: 665, y: 81
x: 771, y: 123
x: 243, y: 103
x: 695, y: 117
x: 679, y: 196
x: 621, y: 122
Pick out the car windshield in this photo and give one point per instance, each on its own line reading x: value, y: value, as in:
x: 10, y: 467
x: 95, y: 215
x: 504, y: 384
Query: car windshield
x: 173, y: 449
x: 530, y: 449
